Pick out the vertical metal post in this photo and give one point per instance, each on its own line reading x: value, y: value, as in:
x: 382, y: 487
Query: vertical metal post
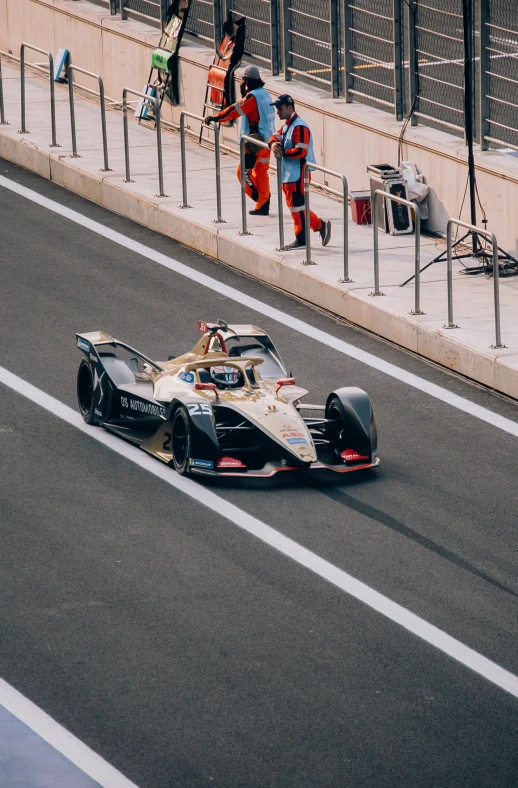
x: 307, y: 220
x: 184, y: 204
x: 219, y: 218
x: 3, y: 121
x: 349, y: 61
x: 334, y: 38
x: 229, y: 5
x: 345, y: 188
x: 375, y: 207
x: 54, y: 143
x: 23, y: 130
x: 161, y: 192
x: 244, y: 228
x: 279, y: 203
x: 398, y: 65
x: 413, y: 63
x: 274, y: 37
x: 449, y: 275
x: 72, y: 111
x: 126, y: 134
x: 496, y: 290
x: 103, y: 125
x: 164, y: 6
x: 483, y: 80
x: 217, y: 21
x: 417, y: 276
x: 286, y: 25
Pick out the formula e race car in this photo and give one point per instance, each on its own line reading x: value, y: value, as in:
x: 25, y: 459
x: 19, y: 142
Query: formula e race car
x: 228, y: 407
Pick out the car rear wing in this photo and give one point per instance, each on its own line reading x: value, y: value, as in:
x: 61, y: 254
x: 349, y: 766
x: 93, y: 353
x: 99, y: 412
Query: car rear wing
x: 89, y: 341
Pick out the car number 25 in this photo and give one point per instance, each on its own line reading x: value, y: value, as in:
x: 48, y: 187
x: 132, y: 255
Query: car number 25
x: 199, y: 409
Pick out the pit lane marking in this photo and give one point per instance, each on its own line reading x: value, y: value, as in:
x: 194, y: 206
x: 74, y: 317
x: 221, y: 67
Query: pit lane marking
x: 61, y: 740
x: 296, y: 552
x: 306, y: 329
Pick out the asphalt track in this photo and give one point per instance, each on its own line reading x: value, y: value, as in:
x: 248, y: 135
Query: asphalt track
x: 183, y: 650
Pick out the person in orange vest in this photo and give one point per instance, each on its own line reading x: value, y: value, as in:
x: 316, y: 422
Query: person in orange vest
x: 293, y: 144
x: 257, y: 120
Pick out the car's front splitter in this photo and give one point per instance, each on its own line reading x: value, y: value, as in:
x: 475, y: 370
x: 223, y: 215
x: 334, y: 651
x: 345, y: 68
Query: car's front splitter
x: 271, y: 469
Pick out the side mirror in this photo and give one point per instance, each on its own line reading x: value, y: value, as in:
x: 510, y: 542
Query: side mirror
x: 284, y: 382
x: 206, y: 387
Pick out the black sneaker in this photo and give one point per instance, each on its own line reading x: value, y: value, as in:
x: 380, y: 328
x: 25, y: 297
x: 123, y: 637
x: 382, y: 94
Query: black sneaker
x: 264, y: 210
x: 325, y: 232
x: 295, y: 245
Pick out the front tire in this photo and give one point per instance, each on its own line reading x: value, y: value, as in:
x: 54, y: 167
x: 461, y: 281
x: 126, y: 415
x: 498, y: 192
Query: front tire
x: 85, y: 391
x: 181, y: 441
x: 336, y: 431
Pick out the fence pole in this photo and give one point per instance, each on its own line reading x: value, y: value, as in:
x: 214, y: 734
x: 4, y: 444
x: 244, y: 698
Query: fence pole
x: 417, y: 277
x: 219, y: 219
x: 345, y: 187
x: 449, y: 275
x: 159, y: 148
x: 279, y: 204
x: 413, y: 64
x: 286, y: 19
x: 23, y: 130
x: 72, y: 110
x: 496, y: 290
x: 348, y: 56
x: 217, y: 21
x: 335, y: 57
x: 398, y: 66
x: 307, y: 220
x: 126, y: 134
x: 164, y: 5
x: 184, y: 204
x: 375, y: 207
x: 485, y: 66
x: 274, y: 37
x: 244, y: 228
x: 3, y: 121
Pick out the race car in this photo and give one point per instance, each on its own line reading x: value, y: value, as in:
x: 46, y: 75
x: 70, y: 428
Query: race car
x: 228, y: 407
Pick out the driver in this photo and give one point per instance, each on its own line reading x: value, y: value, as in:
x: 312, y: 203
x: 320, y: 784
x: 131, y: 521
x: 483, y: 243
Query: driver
x: 226, y: 377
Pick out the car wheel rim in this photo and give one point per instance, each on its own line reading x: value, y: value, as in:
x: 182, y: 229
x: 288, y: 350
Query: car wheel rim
x: 180, y: 442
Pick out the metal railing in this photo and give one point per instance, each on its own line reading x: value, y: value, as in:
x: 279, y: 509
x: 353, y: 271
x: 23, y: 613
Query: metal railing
x: 70, y: 73
x: 496, y: 277
x: 23, y: 130
x: 151, y: 100
x: 244, y: 229
x: 345, y: 194
x: 215, y: 128
x: 3, y: 121
x: 417, y: 220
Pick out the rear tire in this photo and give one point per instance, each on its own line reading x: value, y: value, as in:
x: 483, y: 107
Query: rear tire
x: 181, y: 441
x: 85, y: 391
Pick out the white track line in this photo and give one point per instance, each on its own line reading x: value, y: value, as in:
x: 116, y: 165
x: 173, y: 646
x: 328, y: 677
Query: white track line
x: 327, y: 571
x: 62, y: 740
x: 268, y: 311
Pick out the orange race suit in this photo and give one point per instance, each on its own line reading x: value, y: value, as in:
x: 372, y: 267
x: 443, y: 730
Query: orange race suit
x: 257, y: 181
x: 294, y: 191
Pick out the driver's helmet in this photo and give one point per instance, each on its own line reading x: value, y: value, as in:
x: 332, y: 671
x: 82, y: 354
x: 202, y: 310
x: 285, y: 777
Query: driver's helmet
x: 226, y: 377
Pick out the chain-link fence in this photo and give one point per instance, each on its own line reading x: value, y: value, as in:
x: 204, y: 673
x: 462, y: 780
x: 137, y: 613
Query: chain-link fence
x: 499, y: 72
x: 439, y: 59
x: 395, y: 54
x: 311, y: 37
x: 372, y: 56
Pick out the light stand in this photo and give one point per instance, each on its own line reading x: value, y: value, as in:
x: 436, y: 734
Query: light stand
x: 508, y: 265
